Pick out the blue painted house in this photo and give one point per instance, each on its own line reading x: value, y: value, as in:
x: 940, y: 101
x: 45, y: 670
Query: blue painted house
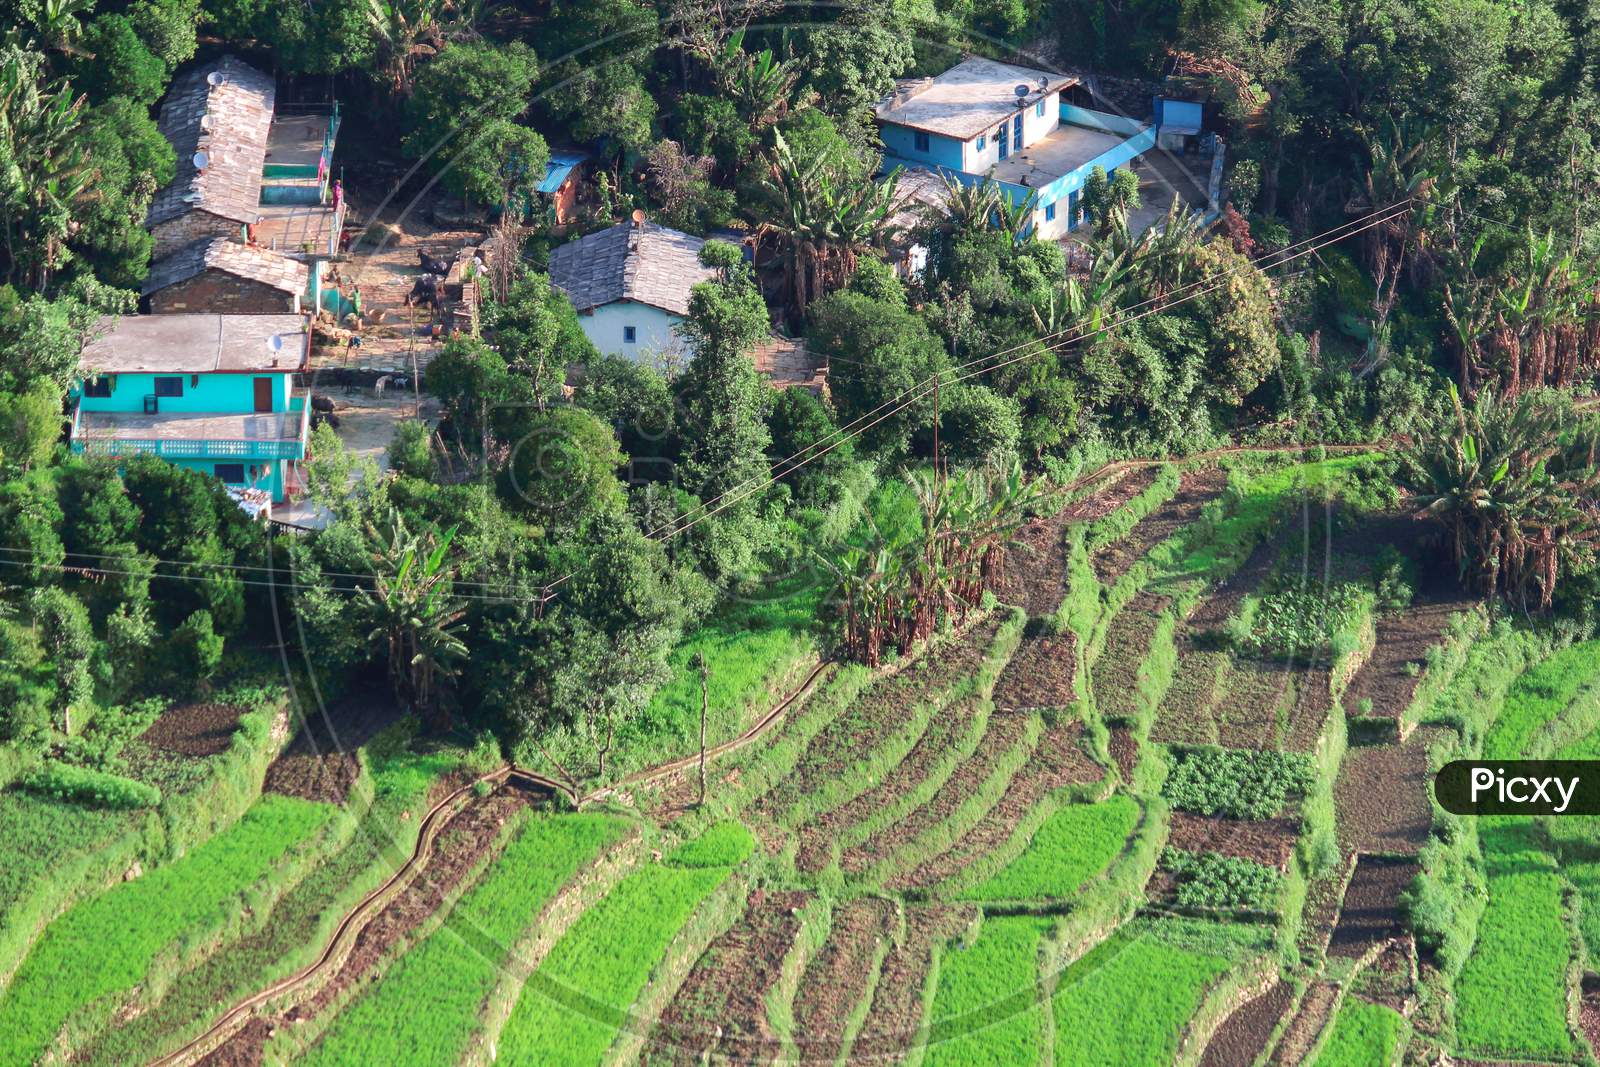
x: 982, y: 119
x: 214, y: 393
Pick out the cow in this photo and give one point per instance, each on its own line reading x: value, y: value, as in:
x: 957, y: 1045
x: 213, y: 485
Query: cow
x: 425, y: 290
x: 432, y: 264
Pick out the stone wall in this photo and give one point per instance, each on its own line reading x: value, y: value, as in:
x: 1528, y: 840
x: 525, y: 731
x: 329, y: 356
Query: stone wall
x: 217, y: 292
x: 190, y: 226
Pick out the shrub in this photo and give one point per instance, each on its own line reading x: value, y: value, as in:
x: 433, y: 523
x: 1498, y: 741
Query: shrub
x: 96, y: 788
x: 1292, y: 620
x: 1210, y: 880
x: 1239, y: 784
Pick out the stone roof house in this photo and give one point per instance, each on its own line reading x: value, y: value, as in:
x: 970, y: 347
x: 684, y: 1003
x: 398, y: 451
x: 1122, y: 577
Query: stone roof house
x: 631, y: 285
x: 217, y: 117
x: 221, y: 275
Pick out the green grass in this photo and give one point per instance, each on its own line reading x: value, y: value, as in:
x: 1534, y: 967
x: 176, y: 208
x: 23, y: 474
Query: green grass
x: 1524, y: 946
x: 576, y: 1004
x: 986, y: 1008
x: 1539, y: 696
x: 1522, y: 952
x: 302, y: 920
x: 1126, y: 1001
x: 1364, y: 1035
x: 456, y: 968
x: 724, y: 844
x: 1074, y: 844
x: 106, y: 946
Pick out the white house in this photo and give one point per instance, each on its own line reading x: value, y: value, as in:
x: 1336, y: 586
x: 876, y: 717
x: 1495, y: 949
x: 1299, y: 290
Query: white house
x: 631, y: 284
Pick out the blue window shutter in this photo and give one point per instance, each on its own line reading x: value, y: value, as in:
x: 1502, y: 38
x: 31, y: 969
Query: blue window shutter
x: 983, y: 141
x: 921, y: 141
x: 1049, y: 212
x: 630, y: 334
x: 1038, y: 109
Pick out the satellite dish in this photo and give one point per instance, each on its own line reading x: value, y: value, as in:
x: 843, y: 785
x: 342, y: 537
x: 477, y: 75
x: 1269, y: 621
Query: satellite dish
x: 200, y: 160
x: 1044, y: 83
x: 275, y: 343
x: 1022, y: 90
x: 215, y: 78
x: 205, y: 122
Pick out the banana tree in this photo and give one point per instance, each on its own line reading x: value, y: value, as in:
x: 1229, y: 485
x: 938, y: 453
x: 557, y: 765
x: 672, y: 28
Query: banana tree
x: 414, y: 617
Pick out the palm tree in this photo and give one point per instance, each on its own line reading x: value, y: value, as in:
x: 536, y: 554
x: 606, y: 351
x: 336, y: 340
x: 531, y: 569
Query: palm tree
x: 415, y: 618
x: 406, y: 30
x: 823, y: 220
x: 1514, y: 482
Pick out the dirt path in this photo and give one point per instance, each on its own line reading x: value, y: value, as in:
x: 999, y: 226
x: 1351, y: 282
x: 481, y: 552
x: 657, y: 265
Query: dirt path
x: 720, y: 1010
x: 838, y: 979
x: 1243, y: 1036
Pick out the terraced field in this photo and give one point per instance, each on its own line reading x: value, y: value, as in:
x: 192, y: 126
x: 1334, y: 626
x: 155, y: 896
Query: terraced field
x: 1020, y: 846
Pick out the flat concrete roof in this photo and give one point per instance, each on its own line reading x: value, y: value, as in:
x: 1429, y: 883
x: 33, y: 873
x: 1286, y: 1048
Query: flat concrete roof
x: 296, y: 139
x: 969, y: 98
x: 1063, y: 150
x: 187, y: 426
x: 288, y: 228
x: 196, y: 344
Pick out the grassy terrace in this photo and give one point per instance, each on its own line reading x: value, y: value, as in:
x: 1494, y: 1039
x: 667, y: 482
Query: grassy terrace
x: 987, y: 1008
x: 1363, y: 1035
x: 455, y: 969
x: 107, y: 946
x: 577, y: 1002
x: 1074, y: 844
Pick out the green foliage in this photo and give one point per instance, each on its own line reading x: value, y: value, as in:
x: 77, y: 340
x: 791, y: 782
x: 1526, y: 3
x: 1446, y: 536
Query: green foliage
x: 1236, y: 783
x: 411, y: 449
x: 1364, y: 1034
x: 1292, y: 619
x: 982, y: 1011
x: 192, y: 653
x: 724, y: 844
x: 635, y: 400
x: 609, y: 954
x: 1075, y: 843
x: 106, y: 946
x: 81, y: 785
x: 459, y: 114
x: 1210, y: 880
x: 803, y: 426
x: 450, y: 969
x: 563, y: 472
x: 121, y: 63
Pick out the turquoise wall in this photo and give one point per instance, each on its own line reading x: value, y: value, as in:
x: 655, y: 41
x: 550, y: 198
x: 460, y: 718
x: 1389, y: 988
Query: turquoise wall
x: 901, y: 141
x: 205, y: 392
x: 269, y: 473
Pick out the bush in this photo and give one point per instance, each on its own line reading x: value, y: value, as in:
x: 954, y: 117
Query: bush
x: 411, y: 450
x: 1238, y: 784
x: 95, y: 788
x: 1210, y: 880
x: 194, y: 651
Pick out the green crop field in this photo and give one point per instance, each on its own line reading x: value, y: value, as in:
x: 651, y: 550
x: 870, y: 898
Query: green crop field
x: 1126, y: 1001
x: 1364, y: 1035
x: 105, y: 946
x: 571, y: 1009
x: 1539, y: 696
x: 1075, y: 843
x: 987, y: 1010
x: 454, y: 970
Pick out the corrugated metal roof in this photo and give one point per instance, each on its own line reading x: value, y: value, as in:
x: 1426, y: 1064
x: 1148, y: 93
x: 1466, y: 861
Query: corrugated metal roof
x: 556, y: 171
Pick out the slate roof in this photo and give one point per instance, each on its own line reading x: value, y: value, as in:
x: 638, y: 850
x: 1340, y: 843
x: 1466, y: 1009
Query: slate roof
x: 967, y: 99
x: 196, y: 344
x: 232, y: 257
x: 240, y: 109
x: 648, y: 264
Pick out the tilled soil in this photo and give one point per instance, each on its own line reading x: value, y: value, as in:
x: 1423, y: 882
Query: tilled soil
x: 1004, y: 733
x: 1243, y: 1036
x: 1196, y: 488
x: 1323, y: 898
x: 896, y: 1013
x: 1120, y: 669
x: 1589, y: 1011
x: 1110, y: 494
x: 1059, y: 760
x: 1036, y: 567
x: 1039, y: 675
x: 195, y: 729
x: 838, y: 977
x: 1315, y: 1008
x: 458, y: 849
x: 720, y: 1012
x: 320, y: 763
x: 1123, y: 746
x: 876, y: 715
x: 1382, y: 795
x: 944, y: 733
x: 1371, y: 911
x: 1269, y: 842
x: 1390, y: 677
x: 1387, y: 979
